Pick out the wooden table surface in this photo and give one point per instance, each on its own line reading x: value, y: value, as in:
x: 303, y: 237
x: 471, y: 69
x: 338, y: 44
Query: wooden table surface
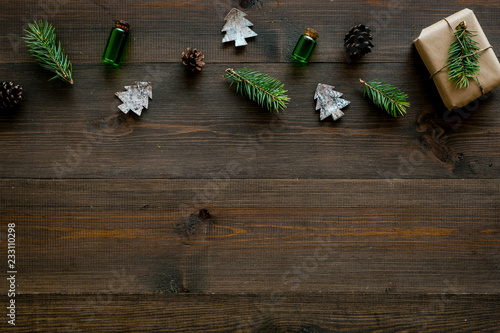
x: 210, y: 214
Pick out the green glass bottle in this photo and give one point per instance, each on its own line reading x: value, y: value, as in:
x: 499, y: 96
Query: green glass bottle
x: 305, y: 46
x: 116, y: 43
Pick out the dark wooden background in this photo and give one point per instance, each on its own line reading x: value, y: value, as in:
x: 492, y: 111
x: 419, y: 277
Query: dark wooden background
x: 365, y: 224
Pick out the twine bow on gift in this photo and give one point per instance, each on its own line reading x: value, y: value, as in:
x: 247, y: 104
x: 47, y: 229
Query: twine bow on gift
x: 464, y: 56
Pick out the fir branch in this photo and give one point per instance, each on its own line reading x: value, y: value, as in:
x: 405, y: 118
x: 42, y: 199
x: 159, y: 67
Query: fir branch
x: 41, y: 43
x: 387, y: 97
x: 463, y: 59
x: 267, y: 91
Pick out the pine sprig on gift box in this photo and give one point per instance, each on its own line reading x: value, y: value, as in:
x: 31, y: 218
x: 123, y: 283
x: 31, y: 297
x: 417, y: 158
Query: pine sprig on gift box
x: 41, y: 43
x: 463, y: 61
x: 387, y: 97
x: 267, y: 91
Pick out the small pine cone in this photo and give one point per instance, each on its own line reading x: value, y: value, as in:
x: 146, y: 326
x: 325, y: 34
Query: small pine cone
x: 358, y: 41
x: 193, y: 59
x: 10, y: 95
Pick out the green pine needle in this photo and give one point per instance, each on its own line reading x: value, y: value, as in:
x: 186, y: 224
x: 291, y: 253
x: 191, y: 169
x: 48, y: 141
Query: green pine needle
x: 41, y: 43
x: 463, y: 62
x: 387, y: 97
x: 267, y: 91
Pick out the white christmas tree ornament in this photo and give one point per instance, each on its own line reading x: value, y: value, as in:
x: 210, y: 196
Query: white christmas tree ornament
x: 237, y: 28
x: 136, y: 97
x: 329, y: 102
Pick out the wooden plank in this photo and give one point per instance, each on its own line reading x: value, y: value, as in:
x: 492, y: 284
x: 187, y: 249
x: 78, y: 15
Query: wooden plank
x: 161, y: 29
x: 208, y: 214
x: 261, y: 236
x: 311, y: 313
x: 199, y: 127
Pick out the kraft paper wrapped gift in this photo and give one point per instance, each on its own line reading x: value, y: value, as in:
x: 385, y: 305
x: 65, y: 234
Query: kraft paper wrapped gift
x: 433, y: 44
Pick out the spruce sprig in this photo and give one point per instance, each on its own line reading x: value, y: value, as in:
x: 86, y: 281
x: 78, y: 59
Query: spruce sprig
x: 463, y: 62
x: 387, y: 97
x: 267, y: 91
x: 41, y: 43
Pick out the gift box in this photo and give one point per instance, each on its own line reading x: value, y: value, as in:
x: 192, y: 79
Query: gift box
x: 433, y: 45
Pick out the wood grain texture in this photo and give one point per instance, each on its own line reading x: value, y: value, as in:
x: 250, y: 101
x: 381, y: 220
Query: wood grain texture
x: 299, y: 313
x: 162, y: 29
x: 265, y: 236
x: 209, y: 214
x: 199, y: 127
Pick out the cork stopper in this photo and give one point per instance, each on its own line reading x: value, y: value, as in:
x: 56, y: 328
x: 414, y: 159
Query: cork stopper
x: 122, y: 25
x: 311, y: 33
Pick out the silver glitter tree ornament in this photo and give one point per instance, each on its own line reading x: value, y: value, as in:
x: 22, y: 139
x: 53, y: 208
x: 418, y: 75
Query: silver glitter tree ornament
x: 237, y: 28
x: 135, y: 98
x: 329, y: 102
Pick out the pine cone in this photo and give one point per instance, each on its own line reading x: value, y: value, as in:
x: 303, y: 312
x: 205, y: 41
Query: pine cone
x: 193, y: 59
x: 10, y: 95
x: 358, y: 41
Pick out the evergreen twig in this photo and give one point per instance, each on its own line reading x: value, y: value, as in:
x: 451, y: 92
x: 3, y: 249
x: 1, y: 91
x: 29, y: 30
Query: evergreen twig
x: 463, y: 59
x: 267, y: 91
x: 387, y: 97
x: 41, y: 43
